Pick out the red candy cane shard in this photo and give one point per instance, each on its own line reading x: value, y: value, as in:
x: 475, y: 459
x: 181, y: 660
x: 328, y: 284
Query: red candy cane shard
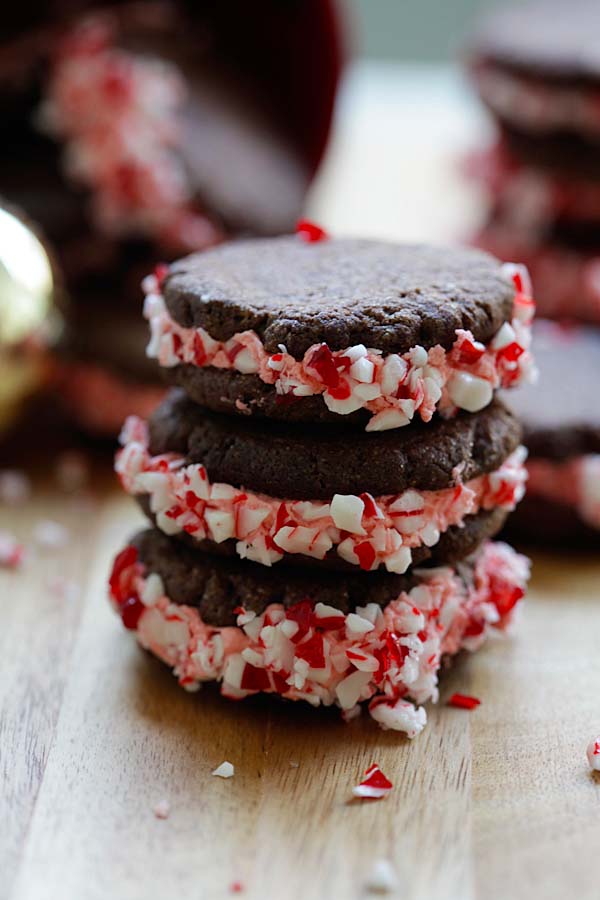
x: 462, y: 701
x: 310, y: 232
x: 374, y: 785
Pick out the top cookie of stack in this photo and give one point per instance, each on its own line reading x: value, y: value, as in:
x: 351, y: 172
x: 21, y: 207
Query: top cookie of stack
x: 358, y: 332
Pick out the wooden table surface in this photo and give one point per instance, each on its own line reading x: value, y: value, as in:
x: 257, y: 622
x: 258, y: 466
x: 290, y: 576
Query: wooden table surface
x: 495, y: 803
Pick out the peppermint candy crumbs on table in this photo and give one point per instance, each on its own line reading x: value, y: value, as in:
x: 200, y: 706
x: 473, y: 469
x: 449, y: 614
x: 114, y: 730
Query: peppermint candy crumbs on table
x: 162, y: 809
x: 310, y: 232
x: 593, y: 754
x: 225, y: 770
x: 237, y: 887
x: 374, y: 785
x: 383, y: 878
x: 12, y: 552
x: 462, y: 701
x: 50, y: 534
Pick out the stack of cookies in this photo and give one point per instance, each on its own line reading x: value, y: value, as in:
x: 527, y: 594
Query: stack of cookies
x: 537, y: 69
x: 324, y: 483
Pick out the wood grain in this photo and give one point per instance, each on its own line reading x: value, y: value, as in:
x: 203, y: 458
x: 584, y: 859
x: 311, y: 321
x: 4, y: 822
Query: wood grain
x: 95, y: 733
x: 493, y: 804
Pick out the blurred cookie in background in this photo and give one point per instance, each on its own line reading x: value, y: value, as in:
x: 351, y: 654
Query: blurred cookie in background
x: 536, y: 67
x: 561, y: 421
x: 141, y: 132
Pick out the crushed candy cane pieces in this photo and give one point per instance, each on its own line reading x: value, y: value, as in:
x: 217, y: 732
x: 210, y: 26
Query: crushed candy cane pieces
x: 162, y: 809
x: 310, y: 232
x: 237, y: 887
x: 593, y: 754
x: 383, y: 878
x: 462, y: 701
x: 12, y: 553
x: 374, y: 785
x: 50, y: 534
x: 225, y: 770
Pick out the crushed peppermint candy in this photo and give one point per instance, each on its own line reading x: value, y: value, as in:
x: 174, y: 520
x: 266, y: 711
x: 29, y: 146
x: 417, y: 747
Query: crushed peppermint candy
x: 463, y: 701
x: 593, y: 754
x: 118, y: 114
x: 12, y: 551
x: 225, y: 770
x: 162, y: 809
x: 318, y: 654
x: 374, y: 785
x: 365, y: 531
x: 394, y: 388
x: 382, y: 878
x: 237, y: 887
x: 51, y: 535
x: 310, y: 232
x: 574, y: 482
x: 15, y: 487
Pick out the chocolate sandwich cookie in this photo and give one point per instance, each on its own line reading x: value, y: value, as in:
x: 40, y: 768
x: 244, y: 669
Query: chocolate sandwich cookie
x: 561, y: 420
x: 539, y: 204
x: 564, y: 265
x: 342, y: 330
x: 101, y: 374
x: 328, y: 639
x: 537, y: 68
x: 375, y: 500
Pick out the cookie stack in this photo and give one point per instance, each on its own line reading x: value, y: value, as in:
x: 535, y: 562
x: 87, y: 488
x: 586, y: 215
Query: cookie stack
x: 324, y: 483
x: 537, y: 69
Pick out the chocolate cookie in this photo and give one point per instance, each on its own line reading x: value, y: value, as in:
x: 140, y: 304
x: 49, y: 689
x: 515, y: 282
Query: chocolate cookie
x: 537, y: 68
x: 543, y: 39
x: 563, y: 270
x: 307, y: 331
x: 327, y: 640
x: 561, y: 420
x: 217, y: 586
x: 284, y: 461
x: 392, y: 500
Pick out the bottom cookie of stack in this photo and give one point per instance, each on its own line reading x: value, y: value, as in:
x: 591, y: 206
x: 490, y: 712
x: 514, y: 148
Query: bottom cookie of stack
x: 323, y: 637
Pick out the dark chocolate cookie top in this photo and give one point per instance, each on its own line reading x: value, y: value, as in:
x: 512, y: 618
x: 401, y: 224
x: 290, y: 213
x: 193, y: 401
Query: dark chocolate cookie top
x: 561, y: 413
x: 216, y: 586
x: 344, y: 292
x: 549, y: 39
x: 287, y: 461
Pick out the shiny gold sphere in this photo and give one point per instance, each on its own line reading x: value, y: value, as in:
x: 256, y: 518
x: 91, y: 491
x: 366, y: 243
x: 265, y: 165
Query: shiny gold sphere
x: 27, y: 313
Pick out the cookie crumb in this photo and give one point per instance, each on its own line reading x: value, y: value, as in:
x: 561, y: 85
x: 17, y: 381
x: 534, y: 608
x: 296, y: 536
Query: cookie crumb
x: 593, y: 754
x: 383, y: 878
x: 162, y: 809
x: 225, y: 770
x: 294, y: 765
x: 374, y: 786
